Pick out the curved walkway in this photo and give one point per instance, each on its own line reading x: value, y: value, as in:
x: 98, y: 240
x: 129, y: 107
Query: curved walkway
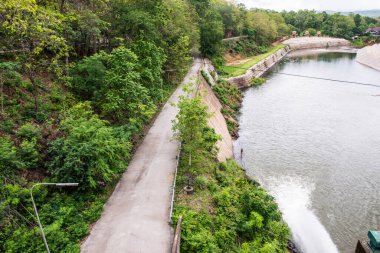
x: 135, y: 218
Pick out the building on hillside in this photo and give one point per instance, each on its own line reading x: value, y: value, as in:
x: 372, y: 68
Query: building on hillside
x: 374, y: 31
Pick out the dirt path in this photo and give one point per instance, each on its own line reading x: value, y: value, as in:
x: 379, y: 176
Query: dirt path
x: 135, y: 218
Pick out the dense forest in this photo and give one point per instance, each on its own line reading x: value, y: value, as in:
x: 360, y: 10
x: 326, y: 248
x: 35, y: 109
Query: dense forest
x: 79, y: 82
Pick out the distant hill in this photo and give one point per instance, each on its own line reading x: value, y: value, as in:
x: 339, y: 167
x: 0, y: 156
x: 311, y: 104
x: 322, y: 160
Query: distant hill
x: 368, y: 13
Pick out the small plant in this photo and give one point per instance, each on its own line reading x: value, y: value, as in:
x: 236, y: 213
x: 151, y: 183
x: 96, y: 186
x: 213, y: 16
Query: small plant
x: 28, y: 131
x: 206, y: 77
x: 258, y: 81
x: 6, y: 126
x: 201, y: 182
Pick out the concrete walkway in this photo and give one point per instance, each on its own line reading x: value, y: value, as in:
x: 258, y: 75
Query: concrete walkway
x: 135, y: 218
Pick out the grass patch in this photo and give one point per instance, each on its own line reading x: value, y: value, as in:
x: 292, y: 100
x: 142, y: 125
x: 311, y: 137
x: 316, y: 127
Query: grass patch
x: 237, y: 70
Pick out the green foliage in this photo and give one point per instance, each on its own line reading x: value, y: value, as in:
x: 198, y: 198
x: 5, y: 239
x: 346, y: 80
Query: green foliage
x: 90, y: 151
x: 115, y: 84
x: 230, y: 97
x: 206, y: 77
x: 258, y: 81
x: 8, y: 158
x: 242, y: 212
x: 211, y: 33
x: 29, y: 131
x: 65, y: 218
x: 193, y: 132
x: 87, y: 77
x: 226, y: 212
x: 150, y: 65
x: 124, y: 98
x: 27, y: 154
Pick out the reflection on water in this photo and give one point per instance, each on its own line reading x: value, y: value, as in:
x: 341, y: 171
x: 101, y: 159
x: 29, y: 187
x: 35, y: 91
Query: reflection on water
x: 316, y: 146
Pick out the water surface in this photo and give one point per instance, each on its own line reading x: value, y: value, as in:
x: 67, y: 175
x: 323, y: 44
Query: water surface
x: 315, y: 145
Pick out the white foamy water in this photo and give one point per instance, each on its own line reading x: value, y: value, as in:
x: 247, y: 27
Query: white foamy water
x: 293, y: 198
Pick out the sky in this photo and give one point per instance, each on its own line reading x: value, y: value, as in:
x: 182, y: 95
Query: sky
x: 333, y: 5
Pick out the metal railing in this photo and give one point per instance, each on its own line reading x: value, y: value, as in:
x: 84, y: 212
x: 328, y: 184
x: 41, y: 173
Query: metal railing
x: 174, y: 184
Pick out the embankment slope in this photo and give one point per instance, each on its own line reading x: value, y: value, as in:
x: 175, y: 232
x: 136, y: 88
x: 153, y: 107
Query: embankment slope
x: 217, y: 121
x: 370, y: 56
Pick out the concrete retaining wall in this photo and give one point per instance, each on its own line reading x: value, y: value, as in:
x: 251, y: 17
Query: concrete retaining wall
x: 315, y: 42
x: 370, y: 56
x: 263, y: 66
x: 217, y: 121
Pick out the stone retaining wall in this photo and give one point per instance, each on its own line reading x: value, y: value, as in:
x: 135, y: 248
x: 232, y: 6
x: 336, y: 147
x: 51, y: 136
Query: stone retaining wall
x: 259, y: 69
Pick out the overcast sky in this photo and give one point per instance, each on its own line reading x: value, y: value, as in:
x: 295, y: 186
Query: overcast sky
x: 334, y: 5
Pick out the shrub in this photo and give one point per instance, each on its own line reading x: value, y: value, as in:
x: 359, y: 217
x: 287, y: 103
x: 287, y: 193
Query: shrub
x: 90, y: 151
x: 8, y: 158
x: 29, y: 131
x: 28, y: 154
x: 258, y: 81
x: 201, y: 182
x: 206, y: 77
x: 6, y: 126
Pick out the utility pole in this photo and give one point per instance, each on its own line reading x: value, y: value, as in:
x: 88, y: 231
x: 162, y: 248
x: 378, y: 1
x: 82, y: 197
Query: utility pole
x: 35, y: 208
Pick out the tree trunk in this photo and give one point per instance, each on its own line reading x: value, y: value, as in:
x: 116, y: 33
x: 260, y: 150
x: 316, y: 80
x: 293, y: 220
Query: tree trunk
x: 35, y: 92
x: 61, y: 6
x: 2, y: 95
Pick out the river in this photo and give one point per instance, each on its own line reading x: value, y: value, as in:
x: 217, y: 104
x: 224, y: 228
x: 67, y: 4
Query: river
x: 315, y: 145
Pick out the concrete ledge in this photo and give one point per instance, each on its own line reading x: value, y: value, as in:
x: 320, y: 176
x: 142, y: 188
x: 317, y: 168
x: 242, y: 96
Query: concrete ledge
x: 315, y: 42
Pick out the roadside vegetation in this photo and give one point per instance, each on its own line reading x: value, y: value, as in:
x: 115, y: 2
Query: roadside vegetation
x: 80, y: 81
x: 226, y: 212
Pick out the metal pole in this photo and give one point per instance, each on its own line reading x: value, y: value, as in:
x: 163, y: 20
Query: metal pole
x: 35, y: 208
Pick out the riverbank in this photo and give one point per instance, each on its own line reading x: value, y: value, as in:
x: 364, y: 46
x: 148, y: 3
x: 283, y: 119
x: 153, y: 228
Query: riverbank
x: 293, y: 44
x: 370, y: 56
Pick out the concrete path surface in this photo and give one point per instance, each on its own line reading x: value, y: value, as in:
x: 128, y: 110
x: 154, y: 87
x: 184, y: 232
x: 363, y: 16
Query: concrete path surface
x: 135, y: 218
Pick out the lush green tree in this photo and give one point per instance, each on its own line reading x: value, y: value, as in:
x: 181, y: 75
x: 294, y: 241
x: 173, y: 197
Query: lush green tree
x: 151, y: 62
x: 193, y: 132
x: 87, y: 77
x: 113, y: 82
x: 9, y: 77
x: 212, y: 33
x: 123, y: 96
x: 8, y: 158
x: 89, y: 152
